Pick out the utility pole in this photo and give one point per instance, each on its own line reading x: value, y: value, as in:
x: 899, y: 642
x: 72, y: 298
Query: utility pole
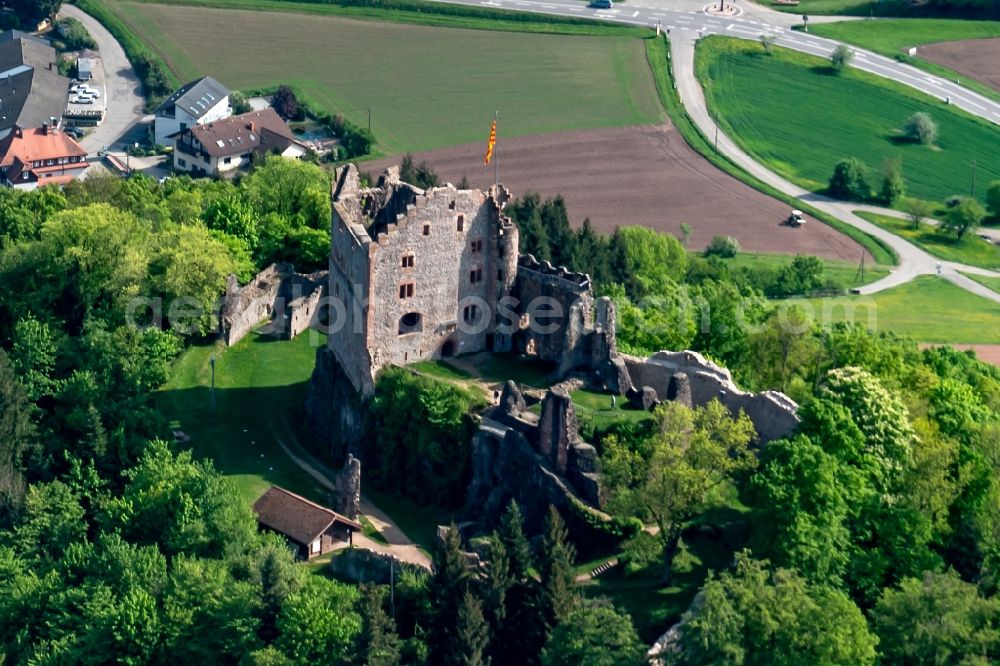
x: 973, y: 188
x: 369, y: 120
x: 212, y: 362
x: 716, y: 137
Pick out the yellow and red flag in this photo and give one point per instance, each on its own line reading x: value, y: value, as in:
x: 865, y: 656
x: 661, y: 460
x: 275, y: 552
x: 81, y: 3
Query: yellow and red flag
x: 492, y: 142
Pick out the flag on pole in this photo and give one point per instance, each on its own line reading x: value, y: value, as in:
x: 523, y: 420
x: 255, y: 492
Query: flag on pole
x: 492, y: 142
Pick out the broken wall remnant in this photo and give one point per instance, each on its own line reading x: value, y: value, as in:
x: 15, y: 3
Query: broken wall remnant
x: 290, y: 300
x: 690, y: 378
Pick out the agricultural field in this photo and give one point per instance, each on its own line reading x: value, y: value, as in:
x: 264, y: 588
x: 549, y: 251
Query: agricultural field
x: 647, y: 176
x: 426, y: 86
x: 791, y: 112
x: 928, y: 309
x: 971, y: 249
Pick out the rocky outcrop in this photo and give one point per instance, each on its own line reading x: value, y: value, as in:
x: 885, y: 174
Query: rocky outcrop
x: 511, y: 400
x: 334, y: 410
x: 348, y: 484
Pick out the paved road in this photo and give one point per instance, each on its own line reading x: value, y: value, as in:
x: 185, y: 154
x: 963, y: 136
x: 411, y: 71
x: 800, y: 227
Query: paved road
x: 124, y: 91
x: 687, y: 17
x: 913, y: 261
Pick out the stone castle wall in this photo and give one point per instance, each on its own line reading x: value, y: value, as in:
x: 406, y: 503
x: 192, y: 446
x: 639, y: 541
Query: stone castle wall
x: 773, y: 414
x: 291, y: 300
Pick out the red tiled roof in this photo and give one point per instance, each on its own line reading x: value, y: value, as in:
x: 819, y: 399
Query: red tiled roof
x: 37, y: 144
x: 296, y: 517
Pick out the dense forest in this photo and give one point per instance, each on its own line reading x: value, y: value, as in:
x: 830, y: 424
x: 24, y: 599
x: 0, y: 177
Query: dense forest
x: 874, y: 532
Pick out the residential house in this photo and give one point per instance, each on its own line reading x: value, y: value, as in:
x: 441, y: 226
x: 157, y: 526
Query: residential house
x: 40, y: 156
x: 312, y: 529
x: 222, y: 146
x: 31, y: 89
x: 198, y: 102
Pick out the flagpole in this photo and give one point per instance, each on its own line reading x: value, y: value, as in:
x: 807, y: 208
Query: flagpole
x: 496, y: 156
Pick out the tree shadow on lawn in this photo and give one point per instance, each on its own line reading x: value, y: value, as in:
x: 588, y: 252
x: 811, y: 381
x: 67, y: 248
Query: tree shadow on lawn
x: 241, y: 439
x: 825, y: 70
x: 241, y: 435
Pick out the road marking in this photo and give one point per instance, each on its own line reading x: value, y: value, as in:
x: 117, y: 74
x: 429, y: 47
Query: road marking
x: 634, y: 14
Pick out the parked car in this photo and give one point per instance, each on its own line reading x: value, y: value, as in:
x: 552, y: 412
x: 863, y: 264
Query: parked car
x: 82, y: 100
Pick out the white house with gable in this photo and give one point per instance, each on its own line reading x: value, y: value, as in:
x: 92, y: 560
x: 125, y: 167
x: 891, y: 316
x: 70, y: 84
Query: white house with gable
x: 199, y: 102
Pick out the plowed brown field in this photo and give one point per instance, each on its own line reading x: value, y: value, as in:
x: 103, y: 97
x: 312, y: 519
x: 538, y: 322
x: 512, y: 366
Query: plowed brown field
x: 643, y: 175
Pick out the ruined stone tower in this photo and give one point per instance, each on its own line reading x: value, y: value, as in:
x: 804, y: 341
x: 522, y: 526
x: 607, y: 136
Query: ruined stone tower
x: 418, y: 273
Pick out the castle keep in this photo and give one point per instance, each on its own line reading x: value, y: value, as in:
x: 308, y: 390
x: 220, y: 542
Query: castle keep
x: 420, y: 274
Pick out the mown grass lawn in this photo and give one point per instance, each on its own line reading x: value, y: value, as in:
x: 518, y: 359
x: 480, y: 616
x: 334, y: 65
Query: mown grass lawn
x: 928, y: 309
x: 790, y: 112
x: 971, y: 249
x: 260, y: 385
x: 426, y: 86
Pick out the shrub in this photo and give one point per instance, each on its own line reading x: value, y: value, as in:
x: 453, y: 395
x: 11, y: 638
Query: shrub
x: 419, y: 436
x: 993, y: 199
x: 238, y: 101
x: 286, y: 104
x: 848, y: 180
x: 803, y: 276
x: 723, y: 246
x: 921, y: 128
x: 893, y: 185
x: 841, y: 57
x: 75, y: 35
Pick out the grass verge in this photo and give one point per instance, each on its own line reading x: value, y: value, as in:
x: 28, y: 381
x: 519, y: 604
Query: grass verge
x: 928, y: 309
x: 988, y: 282
x: 853, y: 114
x: 970, y: 250
x: 657, y: 54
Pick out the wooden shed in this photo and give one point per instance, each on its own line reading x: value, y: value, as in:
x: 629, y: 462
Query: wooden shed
x: 312, y: 528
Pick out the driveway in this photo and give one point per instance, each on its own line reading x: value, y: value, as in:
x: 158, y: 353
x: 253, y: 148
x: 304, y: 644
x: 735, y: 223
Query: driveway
x: 123, y: 90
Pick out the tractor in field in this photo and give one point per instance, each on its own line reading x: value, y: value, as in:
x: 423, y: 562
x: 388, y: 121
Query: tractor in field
x: 796, y: 219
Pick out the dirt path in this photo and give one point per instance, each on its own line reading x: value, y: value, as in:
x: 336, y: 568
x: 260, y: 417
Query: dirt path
x: 642, y: 175
x: 399, y: 546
